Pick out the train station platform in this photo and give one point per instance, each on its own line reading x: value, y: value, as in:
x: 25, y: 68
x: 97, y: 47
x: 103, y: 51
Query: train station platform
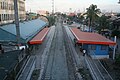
x: 90, y: 38
x: 96, y: 45
x: 38, y: 39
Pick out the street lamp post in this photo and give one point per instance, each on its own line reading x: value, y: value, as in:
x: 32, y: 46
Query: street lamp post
x: 17, y: 21
x: 52, y: 6
x: 119, y: 2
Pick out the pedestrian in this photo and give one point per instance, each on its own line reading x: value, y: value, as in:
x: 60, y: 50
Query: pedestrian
x: 84, y: 52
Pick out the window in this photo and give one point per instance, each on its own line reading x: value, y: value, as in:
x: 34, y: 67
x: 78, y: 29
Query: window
x: 1, y: 5
x: 93, y: 47
x: 0, y: 17
x: 103, y: 47
x: 4, y: 17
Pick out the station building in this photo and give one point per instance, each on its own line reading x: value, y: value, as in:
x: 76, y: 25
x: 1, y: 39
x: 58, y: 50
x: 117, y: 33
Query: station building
x: 95, y: 44
x: 7, y: 11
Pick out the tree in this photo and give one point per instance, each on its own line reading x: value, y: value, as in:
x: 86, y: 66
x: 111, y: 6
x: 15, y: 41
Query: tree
x: 103, y: 23
x: 51, y: 20
x: 64, y: 15
x: 92, y: 14
x: 81, y: 18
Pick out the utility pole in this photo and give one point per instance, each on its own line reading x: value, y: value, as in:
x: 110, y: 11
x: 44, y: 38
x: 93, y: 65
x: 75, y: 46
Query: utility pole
x: 119, y: 2
x: 17, y: 21
x: 52, y: 6
x: 114, y: 51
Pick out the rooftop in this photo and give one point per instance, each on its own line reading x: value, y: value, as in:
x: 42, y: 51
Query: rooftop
x: 90, y: 38
x: 27, y: 30
x: 38, y: 39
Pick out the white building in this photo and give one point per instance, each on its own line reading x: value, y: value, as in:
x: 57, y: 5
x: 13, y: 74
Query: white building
x: 7, y: 10
x: 43, y: 12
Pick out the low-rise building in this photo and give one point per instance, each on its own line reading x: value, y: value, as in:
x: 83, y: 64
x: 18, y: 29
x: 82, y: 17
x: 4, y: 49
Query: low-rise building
x: 43, y: 12
x: 95, y: 44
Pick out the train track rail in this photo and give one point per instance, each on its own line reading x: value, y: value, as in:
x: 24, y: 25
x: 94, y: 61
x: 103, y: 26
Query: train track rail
x: 57, y: 50
x: 47, y: 72
x: 72, y: 56
x: 34, y: 62
x: 97, y: 70
x: 27, y: 71
x: 70, y: 62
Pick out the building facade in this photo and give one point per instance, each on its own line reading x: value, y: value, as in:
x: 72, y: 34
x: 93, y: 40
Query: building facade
x: 7, y: 11
x: 96, y: 45
x: 43, y: 12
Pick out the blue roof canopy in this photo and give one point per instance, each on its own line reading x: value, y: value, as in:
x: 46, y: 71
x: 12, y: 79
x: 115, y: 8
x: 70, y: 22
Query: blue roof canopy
x: 27, y: 30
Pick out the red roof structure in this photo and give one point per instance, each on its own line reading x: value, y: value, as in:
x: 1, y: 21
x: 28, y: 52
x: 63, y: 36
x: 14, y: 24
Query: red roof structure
x: 38, y: 39
x: 90, y: 38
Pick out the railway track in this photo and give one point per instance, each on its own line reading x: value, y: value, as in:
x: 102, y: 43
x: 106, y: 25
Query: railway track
x: 34, y: 61
x: 72, y: 56
x: 60, y: 64
x: 27, y: 71
x: 70, y: 62
x: 45, y: 55
x: 97, y: 70
x: 47, y: 71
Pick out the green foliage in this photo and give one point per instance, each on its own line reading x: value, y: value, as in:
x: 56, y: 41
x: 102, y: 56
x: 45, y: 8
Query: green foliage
x: 117, y: 61
x: 116, y: 33
x: 103, y: 23
x: 64, y: 15
x: 51, y: 20
x: 92, y: 13
x: 71, y: 18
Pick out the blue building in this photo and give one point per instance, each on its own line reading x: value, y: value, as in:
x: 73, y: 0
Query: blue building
x: 95, y: 44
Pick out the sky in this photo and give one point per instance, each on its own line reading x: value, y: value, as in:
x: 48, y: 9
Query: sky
x: 75, y: 5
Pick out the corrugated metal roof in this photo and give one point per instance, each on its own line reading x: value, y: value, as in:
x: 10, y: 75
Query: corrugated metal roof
x: 38, y: 39
x: 27, y: 29
x: 90, y: 38
x: 7, y: 36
